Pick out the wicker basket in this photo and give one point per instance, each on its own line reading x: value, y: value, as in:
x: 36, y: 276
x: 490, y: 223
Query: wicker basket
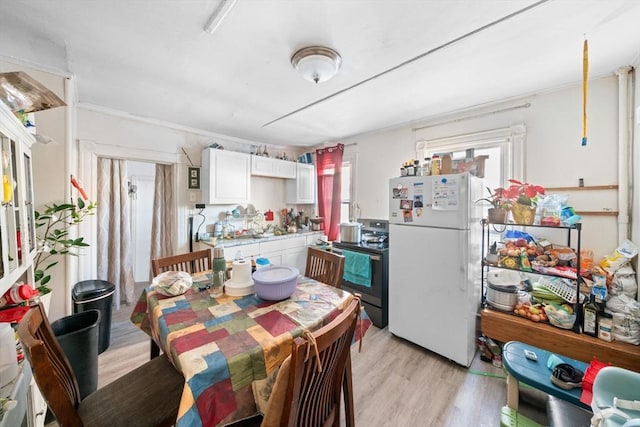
x: 523, y: 214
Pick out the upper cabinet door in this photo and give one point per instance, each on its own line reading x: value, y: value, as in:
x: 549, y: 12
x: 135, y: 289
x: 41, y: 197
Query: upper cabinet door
x: 226, y: 177
x: 265, y: 166
x: 262, y: 166
x: 302, y: 190
x: 285, y: 169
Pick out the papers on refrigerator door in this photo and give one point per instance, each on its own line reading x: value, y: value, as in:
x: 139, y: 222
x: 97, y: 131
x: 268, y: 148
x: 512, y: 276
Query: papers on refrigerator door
x: 445, y: 193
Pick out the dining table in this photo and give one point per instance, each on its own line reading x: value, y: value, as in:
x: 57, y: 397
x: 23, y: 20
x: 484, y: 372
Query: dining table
x: 229, y: 348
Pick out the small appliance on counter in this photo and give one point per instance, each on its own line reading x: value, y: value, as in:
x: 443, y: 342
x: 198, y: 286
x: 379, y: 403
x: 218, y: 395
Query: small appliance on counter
x: 317, y: 224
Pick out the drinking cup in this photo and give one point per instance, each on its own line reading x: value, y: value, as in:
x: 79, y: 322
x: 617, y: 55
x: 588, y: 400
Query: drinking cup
x: 217, y: 284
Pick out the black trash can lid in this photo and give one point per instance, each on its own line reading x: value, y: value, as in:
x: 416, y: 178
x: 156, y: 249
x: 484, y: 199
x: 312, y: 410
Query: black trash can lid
x: 90, y: 289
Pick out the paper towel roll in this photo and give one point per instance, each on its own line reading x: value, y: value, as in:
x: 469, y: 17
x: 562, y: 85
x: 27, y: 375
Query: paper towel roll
x: 241, y: 272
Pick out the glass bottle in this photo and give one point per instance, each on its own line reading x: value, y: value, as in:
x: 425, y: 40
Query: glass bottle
x: 416, y: 167
x: 435, y: 165
x: 410, y: 169
x: 426, y: 166
x: 590, y: 317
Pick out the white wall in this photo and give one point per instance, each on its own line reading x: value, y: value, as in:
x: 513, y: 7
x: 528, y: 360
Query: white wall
x: 139, y: 138
x: 553, y: 154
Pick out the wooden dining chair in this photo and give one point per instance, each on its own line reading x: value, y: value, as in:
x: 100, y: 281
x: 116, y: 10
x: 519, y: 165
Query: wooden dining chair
x: 147, y: 396
x: 324, y: 266
x: 191, y: 262
x: 308, y: 388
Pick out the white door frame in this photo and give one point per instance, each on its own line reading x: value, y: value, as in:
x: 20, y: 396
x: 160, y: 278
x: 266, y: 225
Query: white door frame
x: 88, y: 153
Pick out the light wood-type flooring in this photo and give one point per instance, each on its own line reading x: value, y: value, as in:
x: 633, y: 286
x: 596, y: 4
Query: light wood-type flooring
x: 396, y: 383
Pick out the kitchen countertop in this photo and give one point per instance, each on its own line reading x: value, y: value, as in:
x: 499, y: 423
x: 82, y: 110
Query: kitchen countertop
x: 228, y: 243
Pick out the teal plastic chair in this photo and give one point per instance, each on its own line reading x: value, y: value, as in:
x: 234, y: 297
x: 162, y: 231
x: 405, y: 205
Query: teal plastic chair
x: 616, y: 398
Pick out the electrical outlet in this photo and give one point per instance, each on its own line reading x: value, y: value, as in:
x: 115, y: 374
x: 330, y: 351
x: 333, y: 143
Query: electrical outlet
x: 200, y: 205
x: 192, y: 197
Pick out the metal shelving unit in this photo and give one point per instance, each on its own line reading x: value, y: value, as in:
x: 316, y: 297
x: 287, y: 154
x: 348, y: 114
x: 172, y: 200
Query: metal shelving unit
x: 486, y: 243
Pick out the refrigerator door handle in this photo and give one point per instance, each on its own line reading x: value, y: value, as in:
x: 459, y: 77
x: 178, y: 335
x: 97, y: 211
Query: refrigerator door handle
x: 464, y: 244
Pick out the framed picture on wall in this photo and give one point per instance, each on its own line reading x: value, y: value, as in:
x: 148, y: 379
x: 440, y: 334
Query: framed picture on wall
x: 194, y: 178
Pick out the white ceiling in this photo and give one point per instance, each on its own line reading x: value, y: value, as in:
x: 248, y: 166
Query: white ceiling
x: 151, y: 58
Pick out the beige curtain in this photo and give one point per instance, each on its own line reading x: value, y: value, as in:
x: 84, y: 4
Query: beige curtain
x: 114, y: 230
x: 163, y: 225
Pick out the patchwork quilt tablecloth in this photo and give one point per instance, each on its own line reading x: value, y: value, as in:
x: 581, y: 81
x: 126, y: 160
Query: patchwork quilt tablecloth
x: 228, y: 347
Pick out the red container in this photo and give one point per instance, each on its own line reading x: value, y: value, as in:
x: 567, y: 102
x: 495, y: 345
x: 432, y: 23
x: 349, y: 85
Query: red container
x: 268, y: 215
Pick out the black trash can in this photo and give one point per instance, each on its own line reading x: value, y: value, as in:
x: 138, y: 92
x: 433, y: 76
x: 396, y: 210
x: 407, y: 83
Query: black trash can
x: 78, y: 337
x: 98, y: 295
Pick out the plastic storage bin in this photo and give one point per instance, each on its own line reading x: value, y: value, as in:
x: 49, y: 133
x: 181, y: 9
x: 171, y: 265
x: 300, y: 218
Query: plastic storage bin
x: 78, y: 337
x: 96, y: 295
x: 8, y: 356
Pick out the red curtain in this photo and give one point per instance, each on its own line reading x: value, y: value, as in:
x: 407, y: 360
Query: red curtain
x: 329, y: 171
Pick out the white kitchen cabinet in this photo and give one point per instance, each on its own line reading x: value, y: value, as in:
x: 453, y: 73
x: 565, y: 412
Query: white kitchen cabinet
x: 286, y: 251
x: 226, y: 177
x: 296, y: 257
x: 262, y: 166
x: 265, y: 166
x: 17, y: 223
x: 302, y: 189
x: 285, y: 169
x: 36, y: 406
x: 246, y: 251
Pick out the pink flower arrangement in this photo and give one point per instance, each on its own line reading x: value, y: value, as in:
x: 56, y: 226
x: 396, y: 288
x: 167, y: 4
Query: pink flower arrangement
x: 521, y: 192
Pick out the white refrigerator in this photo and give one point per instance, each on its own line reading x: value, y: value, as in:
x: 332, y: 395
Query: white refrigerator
x: 434, y: 262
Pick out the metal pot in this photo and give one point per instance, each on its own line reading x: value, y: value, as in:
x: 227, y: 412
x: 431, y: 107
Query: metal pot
x: 502, y: 297
x: 350, y: 232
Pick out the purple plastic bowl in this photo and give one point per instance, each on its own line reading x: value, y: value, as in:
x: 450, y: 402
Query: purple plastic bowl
x: 275, y: 283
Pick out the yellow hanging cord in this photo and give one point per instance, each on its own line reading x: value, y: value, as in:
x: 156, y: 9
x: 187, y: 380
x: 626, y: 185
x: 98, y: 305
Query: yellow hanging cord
x: 585, y: 77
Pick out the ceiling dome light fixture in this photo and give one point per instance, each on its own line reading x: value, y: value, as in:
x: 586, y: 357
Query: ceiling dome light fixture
x: 316, y: 63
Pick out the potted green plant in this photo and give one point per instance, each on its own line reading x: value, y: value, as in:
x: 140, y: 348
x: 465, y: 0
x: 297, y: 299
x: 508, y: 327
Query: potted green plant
x: 52, y: 235
x: 498, y: 212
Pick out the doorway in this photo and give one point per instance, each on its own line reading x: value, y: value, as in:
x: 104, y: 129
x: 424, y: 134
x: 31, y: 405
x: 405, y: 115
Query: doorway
x: 141, y: 177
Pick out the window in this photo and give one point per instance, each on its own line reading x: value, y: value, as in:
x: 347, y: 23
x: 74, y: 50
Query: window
x: 502, y: 146
x: 347, y: 189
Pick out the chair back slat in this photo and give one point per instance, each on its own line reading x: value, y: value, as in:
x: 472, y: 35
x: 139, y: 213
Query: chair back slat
x: 326, y: 267
x: 191, y: 262
x: 313, y: 397
x: 51, y: 368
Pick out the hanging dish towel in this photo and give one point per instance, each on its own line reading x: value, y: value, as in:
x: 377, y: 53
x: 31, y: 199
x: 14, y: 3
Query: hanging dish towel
x: 357, y: 268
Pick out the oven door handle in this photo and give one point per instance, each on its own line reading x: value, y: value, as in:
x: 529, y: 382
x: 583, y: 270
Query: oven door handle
x: 372, y: 257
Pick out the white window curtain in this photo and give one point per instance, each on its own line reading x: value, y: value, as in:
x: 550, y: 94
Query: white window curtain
x: 163, y: 225
x: 114, y: 261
